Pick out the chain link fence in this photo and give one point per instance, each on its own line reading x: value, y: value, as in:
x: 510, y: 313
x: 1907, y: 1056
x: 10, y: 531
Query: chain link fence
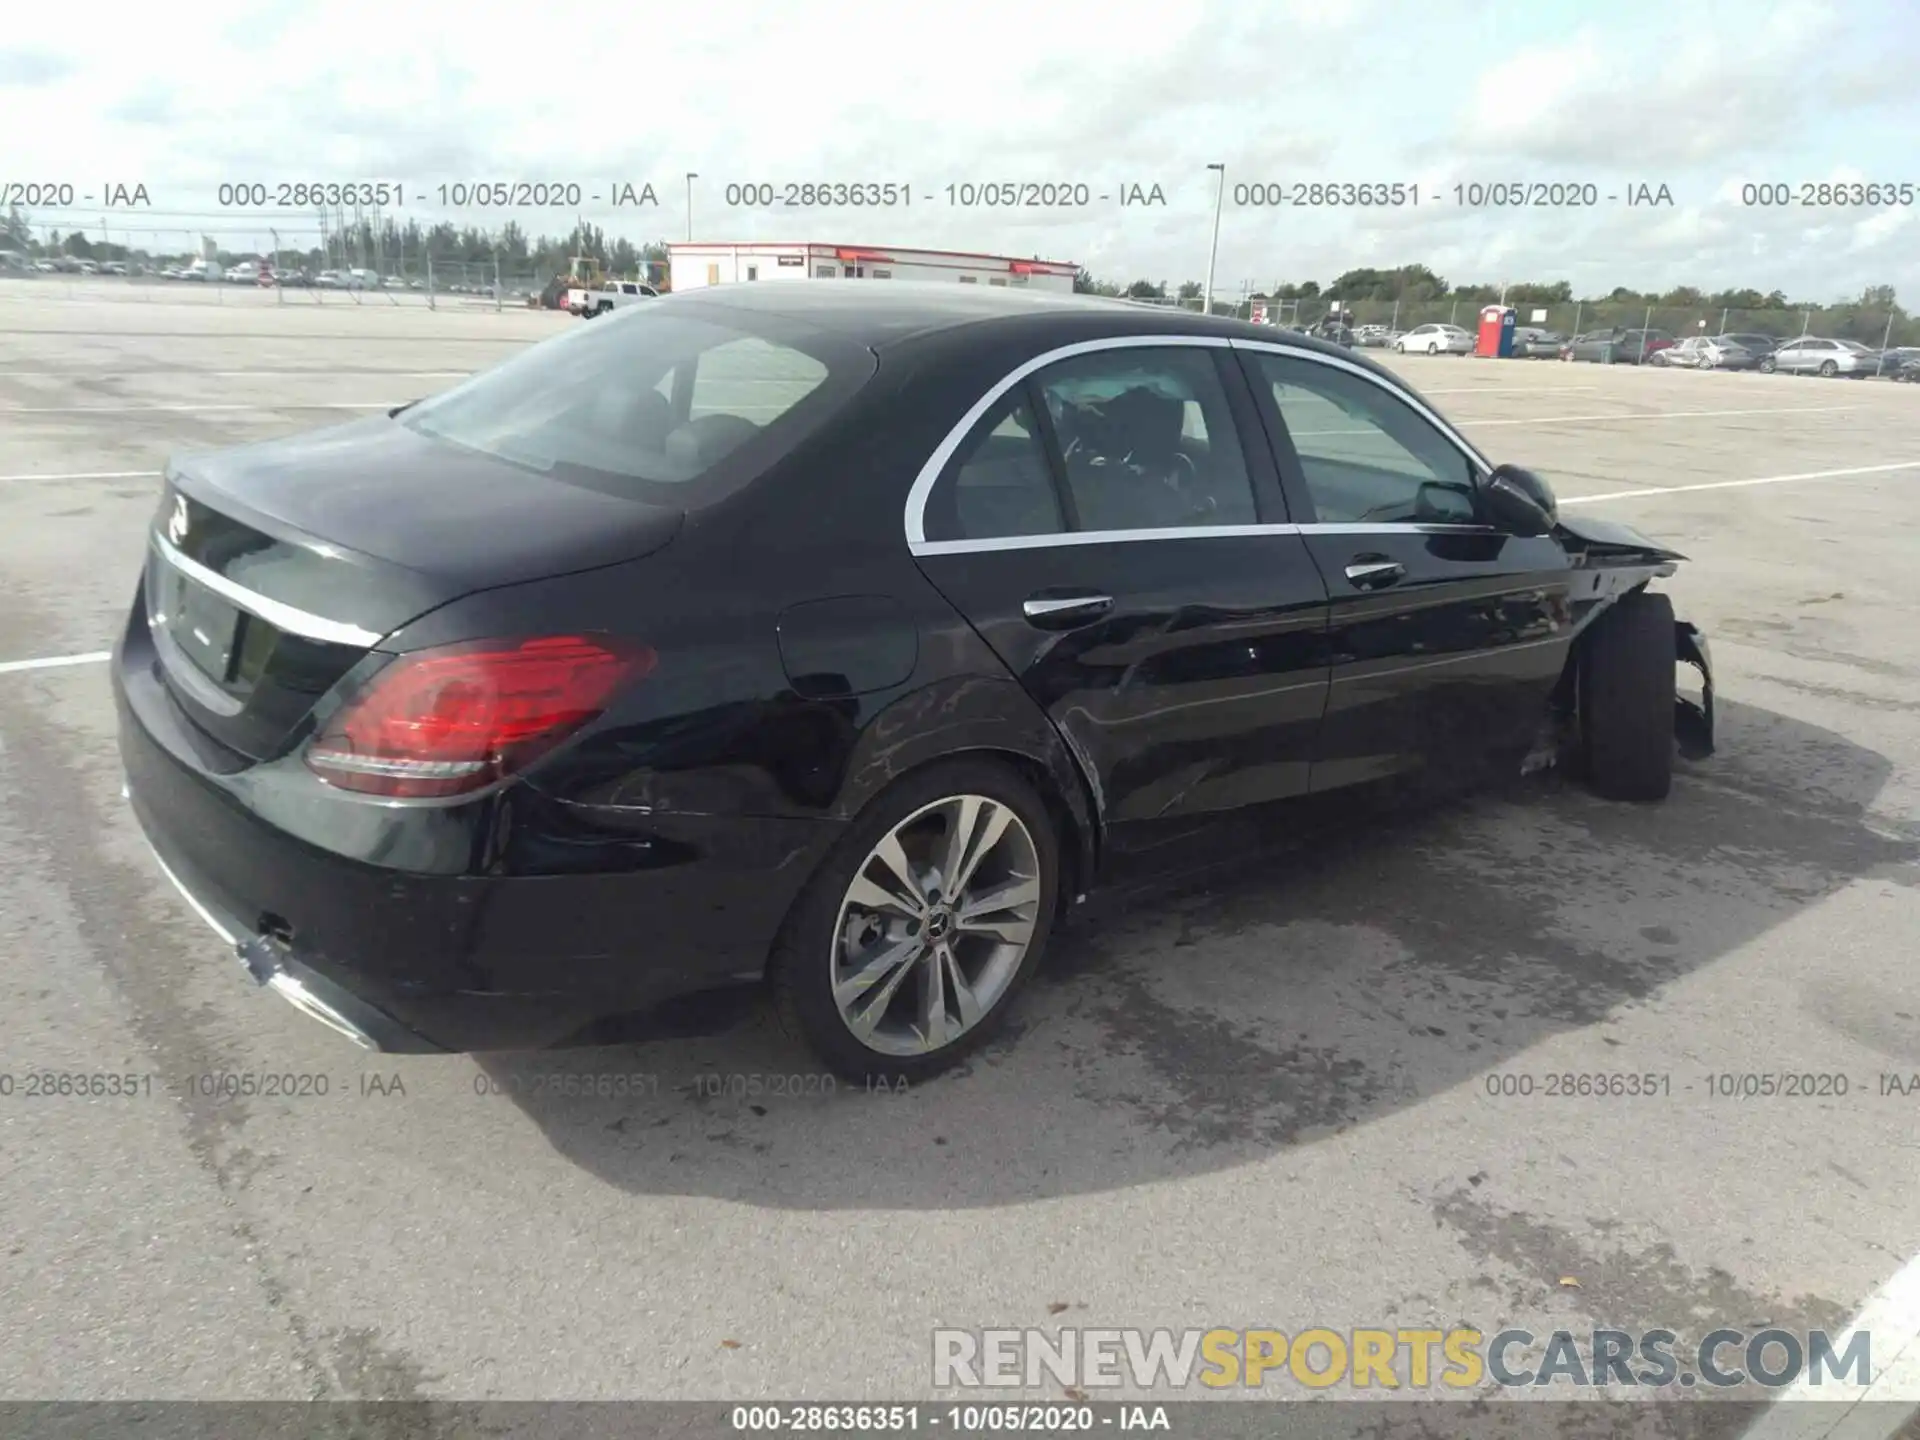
x: 1876, y: 327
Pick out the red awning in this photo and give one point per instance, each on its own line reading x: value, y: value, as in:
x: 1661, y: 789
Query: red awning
x: 861, y: 256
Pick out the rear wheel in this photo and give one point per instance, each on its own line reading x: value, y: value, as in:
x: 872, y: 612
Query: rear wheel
x: 1433, y: 347
x: 1767, y: 367
x: 906, y: 950
x: 1626, y: 700
x: 1828, y: 369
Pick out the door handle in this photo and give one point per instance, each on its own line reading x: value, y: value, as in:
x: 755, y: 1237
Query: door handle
x: 1374, y: 572
x: 1057, y: 612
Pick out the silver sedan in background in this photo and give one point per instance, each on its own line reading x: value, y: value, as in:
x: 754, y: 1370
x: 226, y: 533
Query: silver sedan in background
x: 1812, y: 355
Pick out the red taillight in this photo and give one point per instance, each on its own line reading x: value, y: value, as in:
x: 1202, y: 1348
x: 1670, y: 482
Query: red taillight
x: 459, y: 717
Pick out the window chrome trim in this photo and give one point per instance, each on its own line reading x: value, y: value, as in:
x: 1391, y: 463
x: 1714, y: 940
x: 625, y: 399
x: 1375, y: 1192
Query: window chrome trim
x: 1189, y: 532
x: 923, y: 483
x: 1096, y: 537
x: 1481, y: 466
x: 285, y: 617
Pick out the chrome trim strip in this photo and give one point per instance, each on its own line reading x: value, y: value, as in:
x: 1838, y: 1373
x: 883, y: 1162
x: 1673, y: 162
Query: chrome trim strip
x: 1187, y: 532
x: 314, y: 1008
x: 1095, y: 537
x: 930, y: 472
x: 1480, y: 464
x: 1395, y: 527
x: 285, y: 617
x: 188, y: 896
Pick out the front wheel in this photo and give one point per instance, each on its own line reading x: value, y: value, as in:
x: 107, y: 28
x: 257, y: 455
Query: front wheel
x: 1626, y: 690
x: 906, y: 950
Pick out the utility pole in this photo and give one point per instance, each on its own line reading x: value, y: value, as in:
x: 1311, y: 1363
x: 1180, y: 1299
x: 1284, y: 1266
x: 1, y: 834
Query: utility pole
x: 692, y: 175
x: 1213, y: 254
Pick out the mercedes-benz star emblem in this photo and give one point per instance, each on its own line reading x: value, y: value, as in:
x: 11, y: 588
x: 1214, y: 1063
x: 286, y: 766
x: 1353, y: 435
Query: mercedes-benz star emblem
x: 177, y: 524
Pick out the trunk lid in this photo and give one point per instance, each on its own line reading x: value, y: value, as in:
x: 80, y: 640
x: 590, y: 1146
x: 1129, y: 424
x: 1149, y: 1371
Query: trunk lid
x: 274, y: 568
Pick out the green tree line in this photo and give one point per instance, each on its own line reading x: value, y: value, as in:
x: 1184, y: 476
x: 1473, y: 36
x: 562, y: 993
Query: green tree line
x: 391, y: 247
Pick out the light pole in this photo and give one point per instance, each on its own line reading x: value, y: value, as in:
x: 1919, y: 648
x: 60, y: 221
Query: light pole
x: 691, y: 177
x: 1206, y: 304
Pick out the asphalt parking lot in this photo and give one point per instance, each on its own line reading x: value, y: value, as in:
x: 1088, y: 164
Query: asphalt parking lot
x: 1265, y: 1100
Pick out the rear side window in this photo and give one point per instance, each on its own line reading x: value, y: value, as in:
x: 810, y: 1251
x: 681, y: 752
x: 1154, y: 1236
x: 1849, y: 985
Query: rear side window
x: 652, y: 402
x: 1000, y: 483
x: 1148, y: 440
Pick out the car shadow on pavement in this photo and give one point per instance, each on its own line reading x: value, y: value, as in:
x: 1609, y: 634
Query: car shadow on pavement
x: 1307, y: 991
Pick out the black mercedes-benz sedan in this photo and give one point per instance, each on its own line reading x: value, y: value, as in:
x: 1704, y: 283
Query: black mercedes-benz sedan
x: 838, y: 638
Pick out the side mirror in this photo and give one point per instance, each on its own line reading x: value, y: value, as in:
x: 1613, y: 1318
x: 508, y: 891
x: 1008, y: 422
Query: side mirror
x: 1520, y: 502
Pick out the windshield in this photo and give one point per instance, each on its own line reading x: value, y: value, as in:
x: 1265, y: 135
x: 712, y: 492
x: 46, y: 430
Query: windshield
x: 651, y: 397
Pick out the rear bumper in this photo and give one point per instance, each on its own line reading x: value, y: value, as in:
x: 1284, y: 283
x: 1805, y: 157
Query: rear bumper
x: 404, y: 961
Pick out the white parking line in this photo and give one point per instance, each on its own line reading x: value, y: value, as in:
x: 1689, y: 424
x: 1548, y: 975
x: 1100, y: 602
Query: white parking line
x: 1657, y: 415
x: 88, y: 475
x: 55, y: 662
x: 196, y: 409
x: 1505, y: 389
x: 1737, y: 484
x: 1891, y: 1318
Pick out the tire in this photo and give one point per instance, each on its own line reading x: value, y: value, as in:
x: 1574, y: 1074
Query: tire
x: 1828, y: 369
x: 1433, y: 347
x: 1767, y: 367
x: 806, y: 958
x: 1626, y: 689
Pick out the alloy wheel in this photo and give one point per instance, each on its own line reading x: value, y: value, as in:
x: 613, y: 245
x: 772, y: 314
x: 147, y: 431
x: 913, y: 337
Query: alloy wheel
x: 935, y: 925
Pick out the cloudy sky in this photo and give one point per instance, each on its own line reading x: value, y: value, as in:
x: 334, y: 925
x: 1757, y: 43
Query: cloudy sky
x: 1702, y: 97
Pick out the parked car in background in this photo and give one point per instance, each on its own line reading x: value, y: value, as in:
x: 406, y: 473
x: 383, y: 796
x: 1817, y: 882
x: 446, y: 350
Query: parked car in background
x: 1816, y: 355
x: 1372, y: 336
x: 1617, y: 347
x: 1754, y: 343
x: 328, y: 280
x: 1706, y: 352
x: 1908, y: 370
x: 243, y: 273
x: 589, y: 303
x: 1532, y: 343
x: 1435, y: 340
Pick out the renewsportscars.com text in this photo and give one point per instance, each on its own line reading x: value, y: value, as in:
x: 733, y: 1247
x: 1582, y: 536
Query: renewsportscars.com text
x: 1394, y: 1359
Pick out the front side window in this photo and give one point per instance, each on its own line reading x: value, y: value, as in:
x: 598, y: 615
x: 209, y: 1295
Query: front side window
x: 649, y: 403
x: 1365, y: 455
x: 1147, y: 440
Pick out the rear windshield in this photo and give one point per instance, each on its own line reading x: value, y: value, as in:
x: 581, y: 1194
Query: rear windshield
x: 653, y: 402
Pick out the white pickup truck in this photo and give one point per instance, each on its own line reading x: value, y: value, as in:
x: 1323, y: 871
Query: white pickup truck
x: 588, y: 303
